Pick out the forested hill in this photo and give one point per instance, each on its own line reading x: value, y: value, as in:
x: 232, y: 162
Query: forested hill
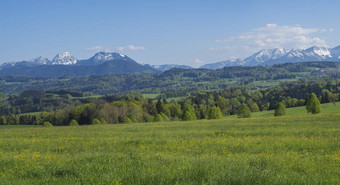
x: 177, y: 80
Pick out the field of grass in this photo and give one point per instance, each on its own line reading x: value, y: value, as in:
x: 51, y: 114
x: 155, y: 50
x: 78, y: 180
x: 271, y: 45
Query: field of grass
x: 325, y: 108
x: 295, y: 149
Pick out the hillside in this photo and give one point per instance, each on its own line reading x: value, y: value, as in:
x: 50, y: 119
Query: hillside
x: 301, y: 149
x: 172, y: 81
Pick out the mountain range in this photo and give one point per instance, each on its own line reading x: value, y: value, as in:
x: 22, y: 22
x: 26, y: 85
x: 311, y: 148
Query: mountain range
x: 279, y: 55
x: 64, y: 64
x: 105, y: 63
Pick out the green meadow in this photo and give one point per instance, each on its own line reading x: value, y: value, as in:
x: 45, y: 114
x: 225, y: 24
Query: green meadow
x: 298, y: 148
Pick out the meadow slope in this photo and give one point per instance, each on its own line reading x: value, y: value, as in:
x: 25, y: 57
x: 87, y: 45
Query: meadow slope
x: 297, y: 149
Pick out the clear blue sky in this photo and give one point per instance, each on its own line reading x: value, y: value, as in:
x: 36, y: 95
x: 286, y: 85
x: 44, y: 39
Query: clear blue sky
x: 158, y: 32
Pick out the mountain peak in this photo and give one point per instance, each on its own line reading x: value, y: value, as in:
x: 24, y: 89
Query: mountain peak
x: 106, y: 56
x: 40, y: 60
x: 321, y: 51
x: 64, y: 58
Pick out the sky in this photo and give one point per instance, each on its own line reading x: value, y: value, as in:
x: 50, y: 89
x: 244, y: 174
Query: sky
x: 189, y: 32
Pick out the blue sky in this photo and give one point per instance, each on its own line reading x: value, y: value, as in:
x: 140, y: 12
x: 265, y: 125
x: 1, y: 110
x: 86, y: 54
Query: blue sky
x: 158, y: 32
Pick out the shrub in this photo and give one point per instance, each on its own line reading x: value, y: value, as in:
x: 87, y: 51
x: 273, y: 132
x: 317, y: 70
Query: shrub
x: 244, y: 112
x: 280, y: 110
x: 47, y: 124
x: 215, y: 113
x: 103, y: 121
x: 127, y: 120
x: 158, y: 118
x: 95, y: 122
x: 313, y: 104
x: 133, y: 118
x: 73, y: 123
x: 149, y: 118
x: 165, y: 118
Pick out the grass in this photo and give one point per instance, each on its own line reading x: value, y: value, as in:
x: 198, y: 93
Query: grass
x: 150, y: 95
x: 295, y: 149
x: 325, y: 108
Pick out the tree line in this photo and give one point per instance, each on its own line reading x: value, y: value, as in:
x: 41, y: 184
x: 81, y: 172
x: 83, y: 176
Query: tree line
x: 133, y: 107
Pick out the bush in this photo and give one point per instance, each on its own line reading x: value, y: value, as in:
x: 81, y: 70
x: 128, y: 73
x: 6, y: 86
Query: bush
x: 189, y: 115
x: 149, y: 118
x: 47, y: 124
x: 127, y: 120
x: 102, y: 121
x: 133, y: 118
x: 165, y: 118
x: 280, y: 110
x: 244, y: 112
x: 313, y: 104
x: 95, y: 122
x: 158, y: 118
x: 215, y: 113
x: 73, y: 123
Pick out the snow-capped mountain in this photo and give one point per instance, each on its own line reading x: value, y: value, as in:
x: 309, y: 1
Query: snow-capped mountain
x: 226, y: 63
x: 40, y: 60
x: 278, y: 55
x: 335, y: 52
x: 265, y: 55
x: 165, y: 67
x: 102, y: 57
x: 105, y: 56
x: 64, y: 59
x: 64, y: 64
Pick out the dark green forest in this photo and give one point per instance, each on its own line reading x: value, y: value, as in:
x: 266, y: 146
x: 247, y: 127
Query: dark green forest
x: 204, y: 94
x: 177, y: 82
x: 63, y: 107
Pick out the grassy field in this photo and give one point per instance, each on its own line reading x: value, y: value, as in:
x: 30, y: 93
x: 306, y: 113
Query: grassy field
x: 295, y: 149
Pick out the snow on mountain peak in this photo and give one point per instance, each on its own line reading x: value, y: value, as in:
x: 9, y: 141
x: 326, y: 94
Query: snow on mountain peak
x: 321, y: 51
x: 64, y: 59
x: 40, y: 60
x: 106, y: 56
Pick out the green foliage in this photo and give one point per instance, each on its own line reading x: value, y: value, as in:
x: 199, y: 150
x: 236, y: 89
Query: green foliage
x: 188, y: 116
x: 133, y: 118
x: 103, y: 121
x: 158, y: 118
x: 244, y: 112
x: 3, y: 120
x: 164, y: 117
x: 313, y: 104
x: 95, y: 122
x: 215, y: 113
x: 127, y: 120
x: 254, y: 107
x: 73, y: 123
x: 149, y: 118
x: 47, y: 124
x: 175, y: 110
x: 280, y: 110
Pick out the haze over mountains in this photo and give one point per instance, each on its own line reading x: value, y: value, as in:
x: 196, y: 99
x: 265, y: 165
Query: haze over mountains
x: 104, y: 63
